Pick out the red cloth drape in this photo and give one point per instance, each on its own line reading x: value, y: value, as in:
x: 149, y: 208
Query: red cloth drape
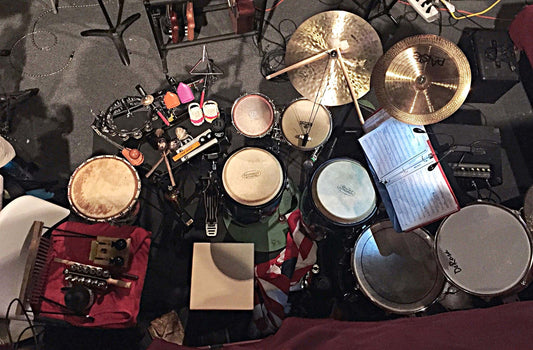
x: 501, y: 327
x: 521, y: 30
x: 119, y: 307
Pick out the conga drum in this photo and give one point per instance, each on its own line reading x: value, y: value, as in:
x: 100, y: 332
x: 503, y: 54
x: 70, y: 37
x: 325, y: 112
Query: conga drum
x: 253, y: 180
x: 485, y: 250
x: 253, y: 115
x: 340, y: 194
x: 105, y: 188
x: 306, y: 125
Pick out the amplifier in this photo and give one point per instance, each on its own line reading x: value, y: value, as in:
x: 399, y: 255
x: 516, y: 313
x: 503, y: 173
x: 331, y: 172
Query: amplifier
x: 492, y: 62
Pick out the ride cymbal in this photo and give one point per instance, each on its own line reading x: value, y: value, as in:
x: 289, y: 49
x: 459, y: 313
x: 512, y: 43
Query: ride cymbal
x: 326, y: 31
x: 422, y: 79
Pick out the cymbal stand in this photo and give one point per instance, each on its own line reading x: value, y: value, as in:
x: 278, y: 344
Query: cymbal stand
x: 386, y: 10
x: 210, y: 71
x: 336, y: 53
x: 115, y: 31
x: 8, y: 102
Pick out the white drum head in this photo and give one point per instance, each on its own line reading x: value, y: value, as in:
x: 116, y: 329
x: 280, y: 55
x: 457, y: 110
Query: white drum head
x: 304, y: 116
x: 252, y: 176
x: 484, y: 249
x: 253, y: 115
x: 343, y: 191
x: 397, y: 271
x: 104, y: 188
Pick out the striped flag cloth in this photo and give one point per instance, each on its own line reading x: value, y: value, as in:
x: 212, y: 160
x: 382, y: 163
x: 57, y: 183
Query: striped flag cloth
x: 276, y: 276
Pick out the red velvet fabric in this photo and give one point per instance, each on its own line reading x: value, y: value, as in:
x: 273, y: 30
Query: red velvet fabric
x: 119, y: 307
x: 521, y: 30
x: 502, y: 327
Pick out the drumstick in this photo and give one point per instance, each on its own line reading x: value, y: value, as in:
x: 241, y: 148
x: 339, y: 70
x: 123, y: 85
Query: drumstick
x: 169, y: 169
x: 350, y: 87
x: 344, y: 46
x: 112, y: 281
x: 156, y: 165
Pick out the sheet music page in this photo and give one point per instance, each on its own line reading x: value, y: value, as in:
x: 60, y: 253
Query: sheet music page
x: 421, y: 197
x: 394, y: 144
x: 401, y: 157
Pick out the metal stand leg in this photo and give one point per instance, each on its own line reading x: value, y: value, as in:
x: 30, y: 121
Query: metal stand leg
x: 155, y: 10
x: 115, y: 32
x: 386, y: 11
x: 54, y: 5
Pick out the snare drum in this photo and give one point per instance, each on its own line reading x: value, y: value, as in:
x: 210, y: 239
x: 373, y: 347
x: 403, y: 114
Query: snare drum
x: 304, y: 117
x: 104, y: 188
x: 485, y: 249
x: 253, y: 115
x: 340, y: 193
x: 397, y: 271
x: 253, y: 180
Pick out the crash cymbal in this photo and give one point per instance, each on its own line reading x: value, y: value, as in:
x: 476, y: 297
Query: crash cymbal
x: 326, y: 31
x: 422, y: 79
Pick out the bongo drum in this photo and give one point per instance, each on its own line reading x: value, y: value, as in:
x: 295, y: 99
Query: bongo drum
x: 253, y: 115
x: 340, y: 193
x: 104, y: 188
x: 253, y: 180
x: 306, y: 118
x: 397, y: 271
x: 485, y: 250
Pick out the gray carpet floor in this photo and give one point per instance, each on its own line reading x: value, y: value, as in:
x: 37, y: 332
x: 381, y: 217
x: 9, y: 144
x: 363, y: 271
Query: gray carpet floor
x: 80, y: 76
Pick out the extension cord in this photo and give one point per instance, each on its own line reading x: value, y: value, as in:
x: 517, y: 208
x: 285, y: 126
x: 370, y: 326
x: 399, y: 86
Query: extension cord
x: 449, y: 6
x: 425, y: 9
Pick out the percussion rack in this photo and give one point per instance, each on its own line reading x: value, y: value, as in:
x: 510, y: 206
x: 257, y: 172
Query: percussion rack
x: 155, y: 10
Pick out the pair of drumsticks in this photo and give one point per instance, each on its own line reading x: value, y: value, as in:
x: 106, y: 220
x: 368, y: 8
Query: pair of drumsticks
x: 165, y: 148
x: 337, y: 53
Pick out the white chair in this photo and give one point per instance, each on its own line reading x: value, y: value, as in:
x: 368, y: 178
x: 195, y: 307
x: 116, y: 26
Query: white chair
x: 16, y: 220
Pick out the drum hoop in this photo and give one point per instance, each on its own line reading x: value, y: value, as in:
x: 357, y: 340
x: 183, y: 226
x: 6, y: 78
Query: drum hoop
x: 274, y: 111
x: 337, y: 223
x: 527, y: 210
x: 120, y: 214
x: 525, y: 278
x: 330, y: 118
x: 270, y: 202
x: 406, y: 309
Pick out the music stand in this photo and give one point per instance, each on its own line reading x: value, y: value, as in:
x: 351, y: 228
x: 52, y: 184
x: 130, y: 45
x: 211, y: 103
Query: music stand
x: 115, y: 31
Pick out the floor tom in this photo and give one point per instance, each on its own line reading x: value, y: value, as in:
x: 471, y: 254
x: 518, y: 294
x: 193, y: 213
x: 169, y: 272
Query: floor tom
x: 485, y: 250
x: 397, y: 271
